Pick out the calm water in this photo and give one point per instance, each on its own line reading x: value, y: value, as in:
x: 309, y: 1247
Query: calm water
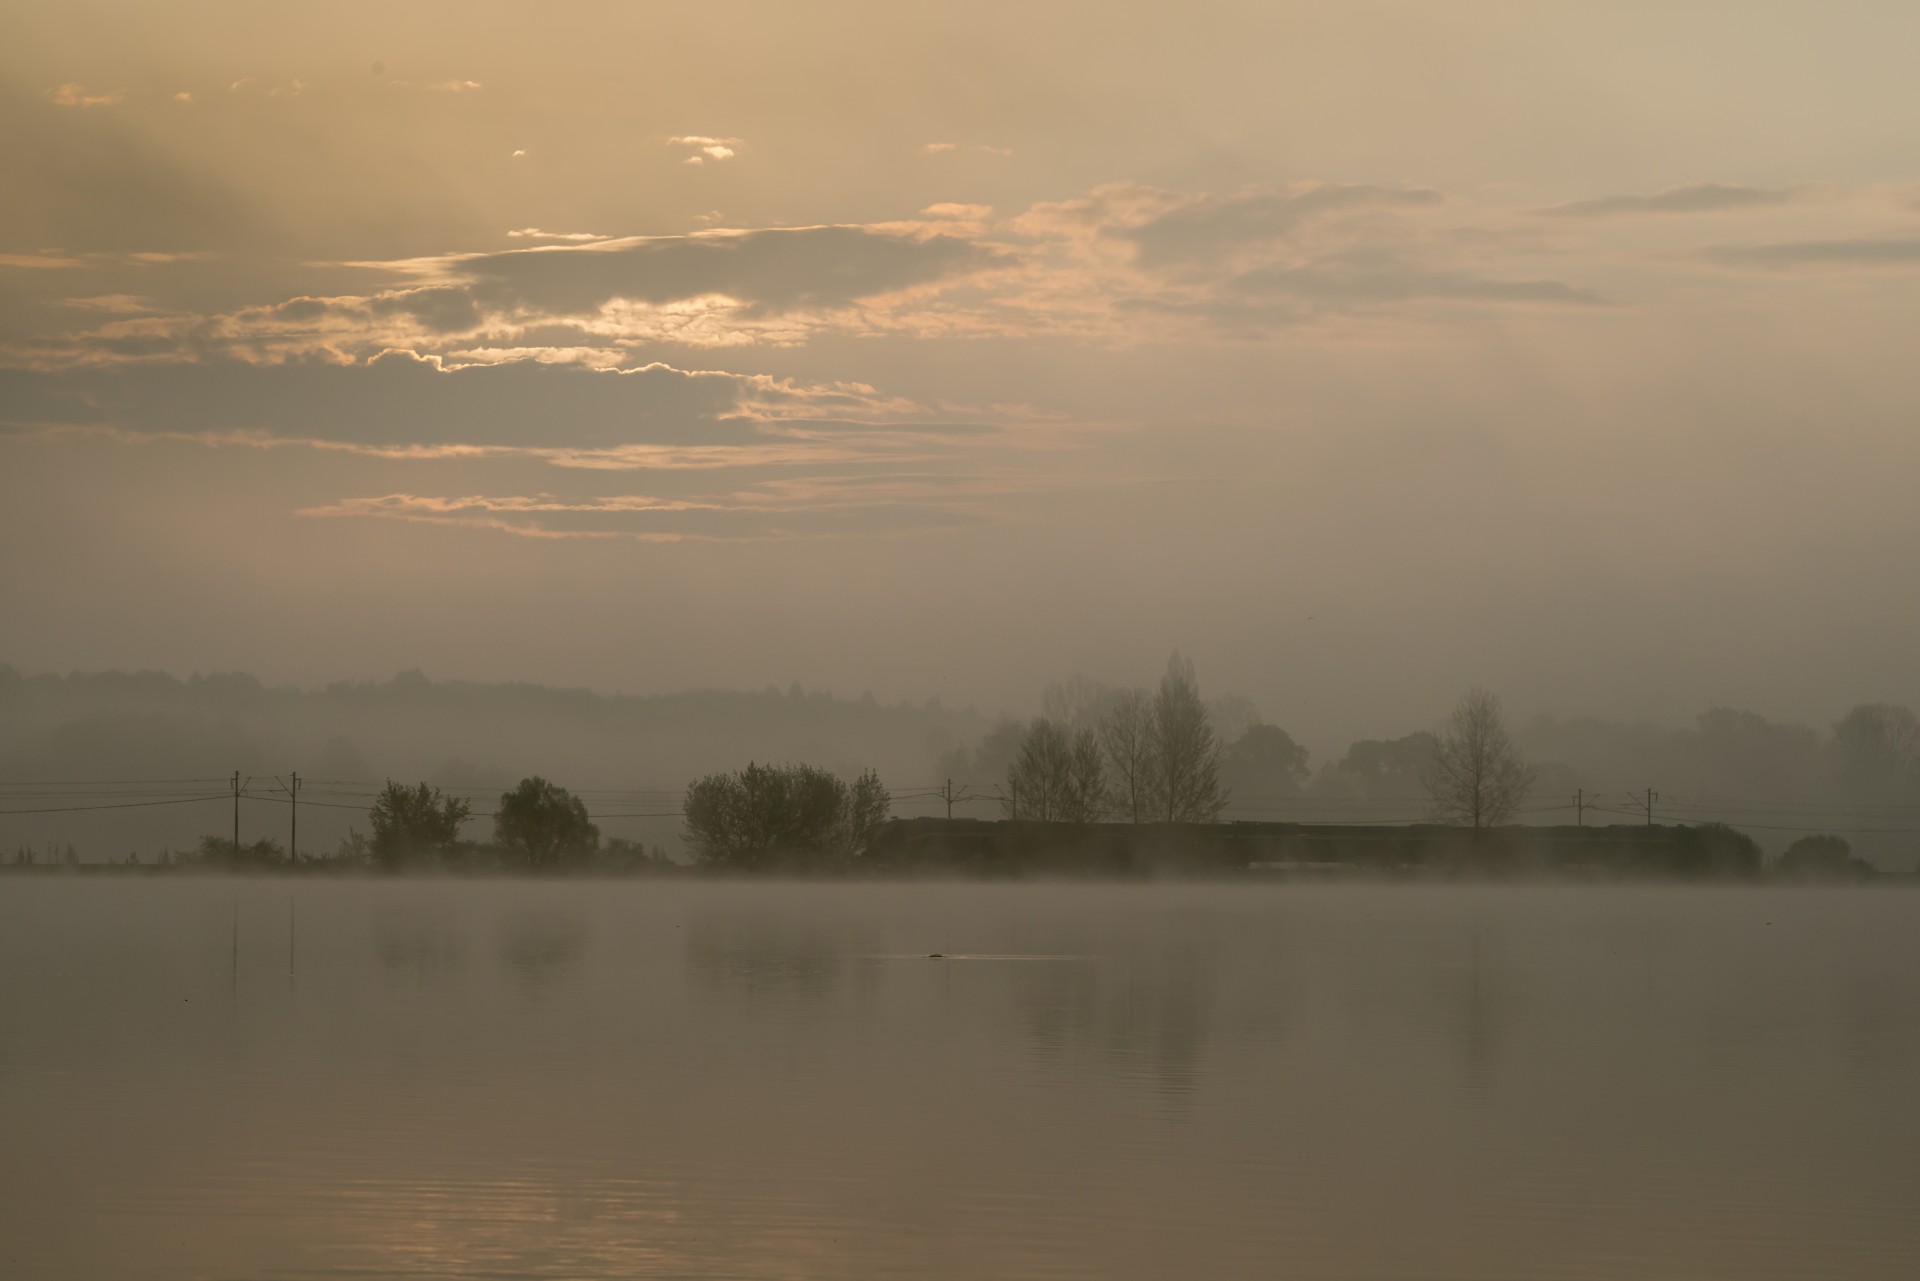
x: 690, y: 1080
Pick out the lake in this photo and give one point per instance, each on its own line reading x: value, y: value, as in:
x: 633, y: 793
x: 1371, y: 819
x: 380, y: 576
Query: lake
x: 303, y: 1079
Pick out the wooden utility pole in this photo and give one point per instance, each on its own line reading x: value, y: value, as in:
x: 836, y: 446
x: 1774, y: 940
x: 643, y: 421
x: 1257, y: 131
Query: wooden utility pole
x: 236, y: 817
x: 1580, y: 807
x: 293, y: 820
x: 1652, y: 796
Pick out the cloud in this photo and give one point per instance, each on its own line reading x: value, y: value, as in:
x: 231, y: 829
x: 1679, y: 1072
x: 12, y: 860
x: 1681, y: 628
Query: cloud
x: 879, y: 504
x: 519, y: 153
x: 563, y: 413
x: 706, y: 148
x: 960, y: 212
x: 38, y: 262
x: 1851, y: 252
x: 118, y: 304
x: 1697, y: 197
x: 77, y: 95
x: 287, y: 89
x: 725, y: 456
x: 1211, y: 226
x: 943, y: 148
x: 1124, y: 264
x: 1342, y: 283
x: 772, y: 270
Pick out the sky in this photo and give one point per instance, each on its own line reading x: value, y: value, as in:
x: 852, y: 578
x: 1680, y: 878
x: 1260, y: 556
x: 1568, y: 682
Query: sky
x: 1362, y: 352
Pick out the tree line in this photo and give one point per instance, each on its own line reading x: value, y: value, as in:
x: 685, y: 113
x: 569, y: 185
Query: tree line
x: 537, y: 827
x: 1142, y: 756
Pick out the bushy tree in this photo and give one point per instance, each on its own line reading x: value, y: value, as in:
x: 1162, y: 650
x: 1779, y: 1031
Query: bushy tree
x: 1477, y: 777
x: 868, y: 805
x: 219, y: 851
x: 544, y: 824
x: 1823, y: 857
x: 1231, y: 716
x: 1184, y: 753
x: 1264, y: 767
x: 768, y: 816
x: 413, y: 823
x: 1384, y: 768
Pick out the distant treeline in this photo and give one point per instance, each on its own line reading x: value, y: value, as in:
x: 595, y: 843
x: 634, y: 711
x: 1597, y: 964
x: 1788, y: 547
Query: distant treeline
x: 1097, y: 753
x: 1100, y: 752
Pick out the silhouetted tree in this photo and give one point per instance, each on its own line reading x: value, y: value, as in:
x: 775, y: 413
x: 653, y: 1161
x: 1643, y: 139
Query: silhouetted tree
x: 986, y: 764
x: 868, y: 805
x: 1041, y: 775
x: 411, y: 823
x: 1184, y: 753
x: 1126, y: 738
x: 219, y: 851
x: 544, y: 824
x: 1076, y: 703
x: 1231, y: 716
x: 1385, y: 768
x: 1823, y: 857
x: 1264, y: 766
x: 1477, y: 777
x: 766, y: 816
x: 1878, y: 748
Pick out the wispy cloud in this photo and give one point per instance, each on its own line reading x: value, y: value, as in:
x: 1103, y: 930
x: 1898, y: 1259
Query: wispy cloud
x: 1697, y: 197
x: 945, y: 148
x: 39, y: 262
x: 1865, y: 251
x: 78, y: 95
x: 534, y: 233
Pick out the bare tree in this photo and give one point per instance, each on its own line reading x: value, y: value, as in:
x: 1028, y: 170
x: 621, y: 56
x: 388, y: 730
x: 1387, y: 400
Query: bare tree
x: 1057, y: 777
x: 1183, y: 752
x: 1477, y: 777
x: 1126, y: 736
x: 1085, y: 798
x: 1038, y: 779
x: 1878, y: 749
x: 1076, y: 703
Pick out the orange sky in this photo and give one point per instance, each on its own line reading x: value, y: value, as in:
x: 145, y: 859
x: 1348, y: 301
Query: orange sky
x: 1361, y: 351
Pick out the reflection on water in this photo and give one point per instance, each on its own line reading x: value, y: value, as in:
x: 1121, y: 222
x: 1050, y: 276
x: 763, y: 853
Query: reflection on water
x: 418, y: 942
x: 541, y: 944
x: 645, y: 1079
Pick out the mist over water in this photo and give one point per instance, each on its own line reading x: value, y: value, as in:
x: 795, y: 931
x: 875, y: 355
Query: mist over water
x: 591, y: 1079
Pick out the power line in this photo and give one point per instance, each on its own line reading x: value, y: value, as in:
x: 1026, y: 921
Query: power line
x: 119, y: 805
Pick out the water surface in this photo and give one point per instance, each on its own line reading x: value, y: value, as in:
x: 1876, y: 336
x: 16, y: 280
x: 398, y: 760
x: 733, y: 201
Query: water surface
x: 583, y: 1080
